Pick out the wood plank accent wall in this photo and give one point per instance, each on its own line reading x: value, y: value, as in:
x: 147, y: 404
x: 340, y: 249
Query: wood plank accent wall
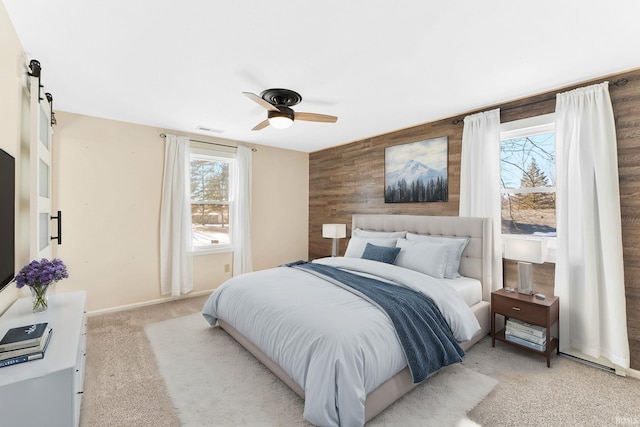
x: 349, y: 179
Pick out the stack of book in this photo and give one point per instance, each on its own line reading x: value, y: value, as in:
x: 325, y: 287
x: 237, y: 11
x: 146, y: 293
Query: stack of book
x: 526, y: 334
x: 24, y: 344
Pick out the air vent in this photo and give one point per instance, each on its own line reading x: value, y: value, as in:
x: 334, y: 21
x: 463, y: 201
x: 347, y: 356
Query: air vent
x: 208, y: 129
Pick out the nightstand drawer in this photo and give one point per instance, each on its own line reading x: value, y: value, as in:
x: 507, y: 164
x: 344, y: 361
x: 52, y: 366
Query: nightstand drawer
x: 530, y: 313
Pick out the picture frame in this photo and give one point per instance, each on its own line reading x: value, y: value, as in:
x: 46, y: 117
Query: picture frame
x: 417, y: 172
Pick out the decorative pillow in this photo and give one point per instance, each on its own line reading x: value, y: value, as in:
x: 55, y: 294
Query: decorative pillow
x: 378, y: 234
x: 455, y: 247
x: 380, y: 253
x: 423, y: 256
x: 356, y: 245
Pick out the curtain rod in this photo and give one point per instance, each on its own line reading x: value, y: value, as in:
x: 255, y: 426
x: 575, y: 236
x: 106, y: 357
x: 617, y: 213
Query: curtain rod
x: 618, y: 83
x: 164, y: 135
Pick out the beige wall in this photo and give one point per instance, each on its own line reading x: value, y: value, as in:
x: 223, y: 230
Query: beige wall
x: 11, y: 107
x: 280, y: 188
x: 107, y: 182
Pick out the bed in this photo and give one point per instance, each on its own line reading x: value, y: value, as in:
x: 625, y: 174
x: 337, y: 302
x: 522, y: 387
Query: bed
x: 280, y: 315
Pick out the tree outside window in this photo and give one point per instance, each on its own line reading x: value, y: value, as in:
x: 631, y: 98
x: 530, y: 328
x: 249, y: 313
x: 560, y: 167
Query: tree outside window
x: 209, y: 201
x: 528, y: 184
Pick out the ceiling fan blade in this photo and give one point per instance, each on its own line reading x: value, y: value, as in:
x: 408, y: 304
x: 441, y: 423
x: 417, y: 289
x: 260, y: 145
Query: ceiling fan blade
x: 263, y: 124
x: 255, y: 98
x: 313, y: 117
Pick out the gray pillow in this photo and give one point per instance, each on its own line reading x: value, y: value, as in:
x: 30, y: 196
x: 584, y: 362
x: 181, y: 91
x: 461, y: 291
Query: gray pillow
x: 380, y: 253
x: 424, y: 256
x: 454, y: 248
x: 356, y: 245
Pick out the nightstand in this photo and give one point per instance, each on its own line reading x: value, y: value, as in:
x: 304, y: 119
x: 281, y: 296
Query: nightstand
x: 528, y: 309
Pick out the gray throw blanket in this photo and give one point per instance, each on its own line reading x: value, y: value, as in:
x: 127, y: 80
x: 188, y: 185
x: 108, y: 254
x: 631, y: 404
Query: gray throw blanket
x: 425, y: 336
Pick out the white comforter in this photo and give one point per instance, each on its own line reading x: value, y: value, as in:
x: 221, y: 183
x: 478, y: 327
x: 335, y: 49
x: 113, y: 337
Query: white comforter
x: 335, y: 345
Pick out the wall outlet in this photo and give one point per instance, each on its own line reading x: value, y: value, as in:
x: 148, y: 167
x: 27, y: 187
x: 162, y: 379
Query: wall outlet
x: 227, y: 268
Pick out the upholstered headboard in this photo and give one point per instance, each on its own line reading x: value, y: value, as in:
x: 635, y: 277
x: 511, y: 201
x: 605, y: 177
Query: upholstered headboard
x: 476, y: 258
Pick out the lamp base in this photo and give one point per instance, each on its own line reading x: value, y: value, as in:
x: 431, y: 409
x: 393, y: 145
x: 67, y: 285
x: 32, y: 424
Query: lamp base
x: 525, y: 278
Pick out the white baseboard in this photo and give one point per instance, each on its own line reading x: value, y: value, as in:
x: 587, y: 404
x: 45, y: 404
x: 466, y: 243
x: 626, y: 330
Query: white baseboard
x: 145, y: 303
x: 633, y: 373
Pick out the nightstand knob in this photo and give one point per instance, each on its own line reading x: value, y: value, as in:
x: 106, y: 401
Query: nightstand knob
x: 515, y: 308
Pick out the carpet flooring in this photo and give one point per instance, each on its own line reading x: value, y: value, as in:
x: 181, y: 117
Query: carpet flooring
x: 124, y: 387
x: 212, y: 380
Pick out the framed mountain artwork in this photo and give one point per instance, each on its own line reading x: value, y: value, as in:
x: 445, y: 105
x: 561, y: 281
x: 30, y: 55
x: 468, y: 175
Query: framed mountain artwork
x: 416, y: 172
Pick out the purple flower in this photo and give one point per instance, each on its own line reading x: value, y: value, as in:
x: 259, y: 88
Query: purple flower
x: 41, y: 273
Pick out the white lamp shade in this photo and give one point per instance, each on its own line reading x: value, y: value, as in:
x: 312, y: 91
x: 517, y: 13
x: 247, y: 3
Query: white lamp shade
x: 529, y: 250
x: 334, y: 231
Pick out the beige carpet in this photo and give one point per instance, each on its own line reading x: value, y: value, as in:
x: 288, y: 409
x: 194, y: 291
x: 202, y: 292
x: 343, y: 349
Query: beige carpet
x: 566, y: 394
x: 124, y: 388
x: 213, y: 381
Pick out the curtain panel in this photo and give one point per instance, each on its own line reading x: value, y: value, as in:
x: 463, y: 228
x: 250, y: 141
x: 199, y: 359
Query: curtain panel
x: 241, y: 205
x: 589, y: 267
x: 176, y: 264
x: 480, y: 178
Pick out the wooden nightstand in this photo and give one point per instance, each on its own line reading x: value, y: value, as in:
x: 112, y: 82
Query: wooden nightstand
x: 527, y: 309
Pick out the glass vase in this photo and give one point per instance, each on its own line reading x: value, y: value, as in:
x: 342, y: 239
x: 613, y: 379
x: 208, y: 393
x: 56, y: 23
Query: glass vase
x: 39, y: 297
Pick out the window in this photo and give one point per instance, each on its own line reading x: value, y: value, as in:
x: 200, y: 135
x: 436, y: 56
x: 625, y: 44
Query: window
x: 527, y: 158
x: 210, y: 189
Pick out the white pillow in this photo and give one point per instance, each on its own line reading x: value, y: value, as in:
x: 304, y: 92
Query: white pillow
x: 356, y: 245
x: 455, y: 247
x: 423, y: 256
x: 378, y: 234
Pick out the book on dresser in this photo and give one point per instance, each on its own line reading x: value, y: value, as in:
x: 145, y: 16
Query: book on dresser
x: 23, y: 336
x: 13, y: 357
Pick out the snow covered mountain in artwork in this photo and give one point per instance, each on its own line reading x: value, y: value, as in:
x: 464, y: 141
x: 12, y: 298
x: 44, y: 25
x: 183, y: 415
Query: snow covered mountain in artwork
x: 416, y: 182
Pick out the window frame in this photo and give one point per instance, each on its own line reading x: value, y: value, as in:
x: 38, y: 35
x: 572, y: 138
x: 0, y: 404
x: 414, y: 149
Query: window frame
x: 213, y: 155
x: 531, y: 126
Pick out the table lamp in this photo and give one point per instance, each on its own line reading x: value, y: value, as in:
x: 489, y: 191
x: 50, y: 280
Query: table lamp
x: 335, y: 232
x: 525, y: 251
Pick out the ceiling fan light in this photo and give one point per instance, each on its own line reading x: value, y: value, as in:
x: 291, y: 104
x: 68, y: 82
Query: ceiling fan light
x: 281, y: 118
x: 280, y: 122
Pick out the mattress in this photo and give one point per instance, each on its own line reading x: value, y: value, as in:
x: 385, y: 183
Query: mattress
x: 469, y: 289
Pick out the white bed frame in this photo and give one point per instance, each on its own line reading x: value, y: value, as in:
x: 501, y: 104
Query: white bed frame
x: 475, y: 263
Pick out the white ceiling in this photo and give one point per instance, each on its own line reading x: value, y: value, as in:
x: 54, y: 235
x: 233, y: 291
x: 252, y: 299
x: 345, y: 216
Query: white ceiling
x: 378, y: 65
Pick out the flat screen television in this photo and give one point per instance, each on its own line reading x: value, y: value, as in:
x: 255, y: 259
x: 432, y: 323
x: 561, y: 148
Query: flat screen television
x: 7, y: 218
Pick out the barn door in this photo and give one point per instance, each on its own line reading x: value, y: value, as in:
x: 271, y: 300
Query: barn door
x: 40, y: 166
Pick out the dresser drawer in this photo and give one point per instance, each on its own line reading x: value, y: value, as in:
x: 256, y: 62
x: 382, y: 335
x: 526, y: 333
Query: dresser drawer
x: 509, y: 307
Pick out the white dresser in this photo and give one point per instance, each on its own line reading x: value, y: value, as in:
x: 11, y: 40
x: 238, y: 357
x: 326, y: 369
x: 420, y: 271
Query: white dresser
x: 46, y: 392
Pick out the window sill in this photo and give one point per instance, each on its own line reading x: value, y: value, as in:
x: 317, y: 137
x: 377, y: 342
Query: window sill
x: 212, y: 250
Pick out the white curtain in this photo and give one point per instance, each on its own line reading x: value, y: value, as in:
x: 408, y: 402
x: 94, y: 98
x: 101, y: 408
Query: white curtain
x: 241, y: 205
x: 589, y: 267
x: 480, y: 178
x: 176, y: 264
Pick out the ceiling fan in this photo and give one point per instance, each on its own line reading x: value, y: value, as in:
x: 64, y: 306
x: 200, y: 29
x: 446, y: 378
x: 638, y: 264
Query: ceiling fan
x: 278, y: 103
